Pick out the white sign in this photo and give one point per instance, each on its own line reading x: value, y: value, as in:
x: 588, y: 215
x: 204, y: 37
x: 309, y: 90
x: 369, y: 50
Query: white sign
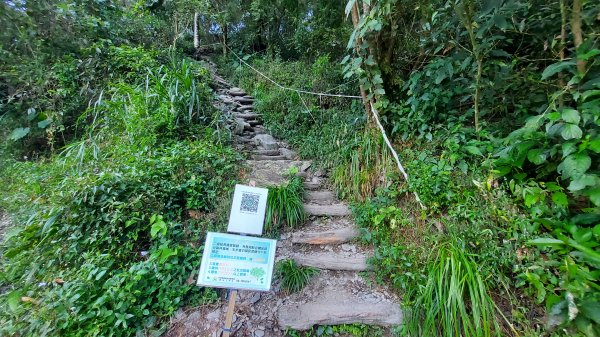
x: 237, y: 262
x: 248, y: 210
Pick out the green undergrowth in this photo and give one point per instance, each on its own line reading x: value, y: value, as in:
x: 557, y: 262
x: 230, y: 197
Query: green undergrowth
x: 108, y: 233
x: 469, y: 207
x: 284, y: 206
x: 293, y: 276
x: 355, y: 330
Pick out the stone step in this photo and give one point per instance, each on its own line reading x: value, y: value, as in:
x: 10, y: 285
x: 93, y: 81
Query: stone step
x: 320, y: 197
x: 266, y: 152
x: 253, y: 122
x: 311, y: 185
x: 335, y: 236
x: 327, y: 210
x: 243, y: 100
x: 236, y: 92
x: 332, y: 260
x: 244, y: 108
x: 246, y: 115
x: 262, y: 157
x: 305, y: 316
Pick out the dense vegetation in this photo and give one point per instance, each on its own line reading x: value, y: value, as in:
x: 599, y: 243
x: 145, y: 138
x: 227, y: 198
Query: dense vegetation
x: 113, y: 161
x: 493, y: 108
x: 129, y: 172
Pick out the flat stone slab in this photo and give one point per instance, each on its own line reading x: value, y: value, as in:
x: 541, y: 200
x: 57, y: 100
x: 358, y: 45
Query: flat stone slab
x: 266, y: 152
x: 244, y: 108
x: 335, y: 236
x: 332, y: 261
x: 305, y: 316
x: 249, y: 116
x: 236, y: 92
x: 262, y: 157
x: 311, y: 185
x: 327, y: 210
x: 320, y: 197
x: 243, y: 99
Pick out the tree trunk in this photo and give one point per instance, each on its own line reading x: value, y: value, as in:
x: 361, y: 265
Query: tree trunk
x: 577, y: 34
x: 196, y: 39
x: 357, y: 43
x: 225, y: 39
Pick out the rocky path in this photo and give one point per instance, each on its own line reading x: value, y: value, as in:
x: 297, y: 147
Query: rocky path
x: 328, y: 241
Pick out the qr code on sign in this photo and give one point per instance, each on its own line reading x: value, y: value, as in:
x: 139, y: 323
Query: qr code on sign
x: 249, y: 202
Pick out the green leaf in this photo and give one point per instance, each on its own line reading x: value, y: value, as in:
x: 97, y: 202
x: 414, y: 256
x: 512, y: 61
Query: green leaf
x: 591, y: 309
x: 556, y: 68
x: 569, y: 147
x: 43, y: 124
x: 550, y: 242
x: 594, y: 195
x: 594, y: 145
x: 571, y: 131
x: 574, y: 165
x: 536, y: 156
x: 589, y: 54
x: 473, y: 150
x: 18, y: 133
x: 571, y: 116
x: 13, y: 300
x: 560, y: 199
x: 582, y: 182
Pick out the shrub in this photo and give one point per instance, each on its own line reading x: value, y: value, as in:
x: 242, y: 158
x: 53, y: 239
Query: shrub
x: 294, y: 277
x: 284, y: 205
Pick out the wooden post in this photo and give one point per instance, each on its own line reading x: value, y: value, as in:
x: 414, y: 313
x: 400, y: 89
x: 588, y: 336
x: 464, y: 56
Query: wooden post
x: 229, y: 315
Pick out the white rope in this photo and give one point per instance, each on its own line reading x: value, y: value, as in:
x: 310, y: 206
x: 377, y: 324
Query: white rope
x: 387, y: 141
x: 290, y: 89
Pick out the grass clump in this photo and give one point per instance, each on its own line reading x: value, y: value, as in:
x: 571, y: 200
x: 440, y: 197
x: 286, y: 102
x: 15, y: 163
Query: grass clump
x: 284, y: 205
x: 293, y: 276
x: 454, y: 301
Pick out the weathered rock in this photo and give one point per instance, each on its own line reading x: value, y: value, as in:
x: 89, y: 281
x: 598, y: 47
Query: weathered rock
x: 239, y: 126
x: 244, y: 108
x: 320, y: 197
x: 305, y: 166
x: 266, y: 142
x: 305, y: 316
x: 312, y: 185
x: 335, y: 236
x: 243, y: 99
x: 327, y: 210
x: 289, y: 154
x: 266, y: 152
x: 253, y: 122
x: 261, y: 157
x: 236, y: 92
x: 332, y: 261
x: 246, y: 115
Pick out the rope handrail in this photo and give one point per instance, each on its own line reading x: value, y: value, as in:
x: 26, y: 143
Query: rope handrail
x: 287, y: 88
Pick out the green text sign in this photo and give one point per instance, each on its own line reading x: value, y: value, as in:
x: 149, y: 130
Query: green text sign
x: 237, y: 262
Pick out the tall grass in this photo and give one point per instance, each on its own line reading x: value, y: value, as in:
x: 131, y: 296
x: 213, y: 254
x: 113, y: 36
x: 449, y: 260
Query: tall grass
x: 364, y: 166
x: 455, y: 301
x: 284, y: 205
x: 293, y: 276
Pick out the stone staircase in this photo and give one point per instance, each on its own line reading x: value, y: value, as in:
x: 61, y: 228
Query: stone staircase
x: 328, y: 241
